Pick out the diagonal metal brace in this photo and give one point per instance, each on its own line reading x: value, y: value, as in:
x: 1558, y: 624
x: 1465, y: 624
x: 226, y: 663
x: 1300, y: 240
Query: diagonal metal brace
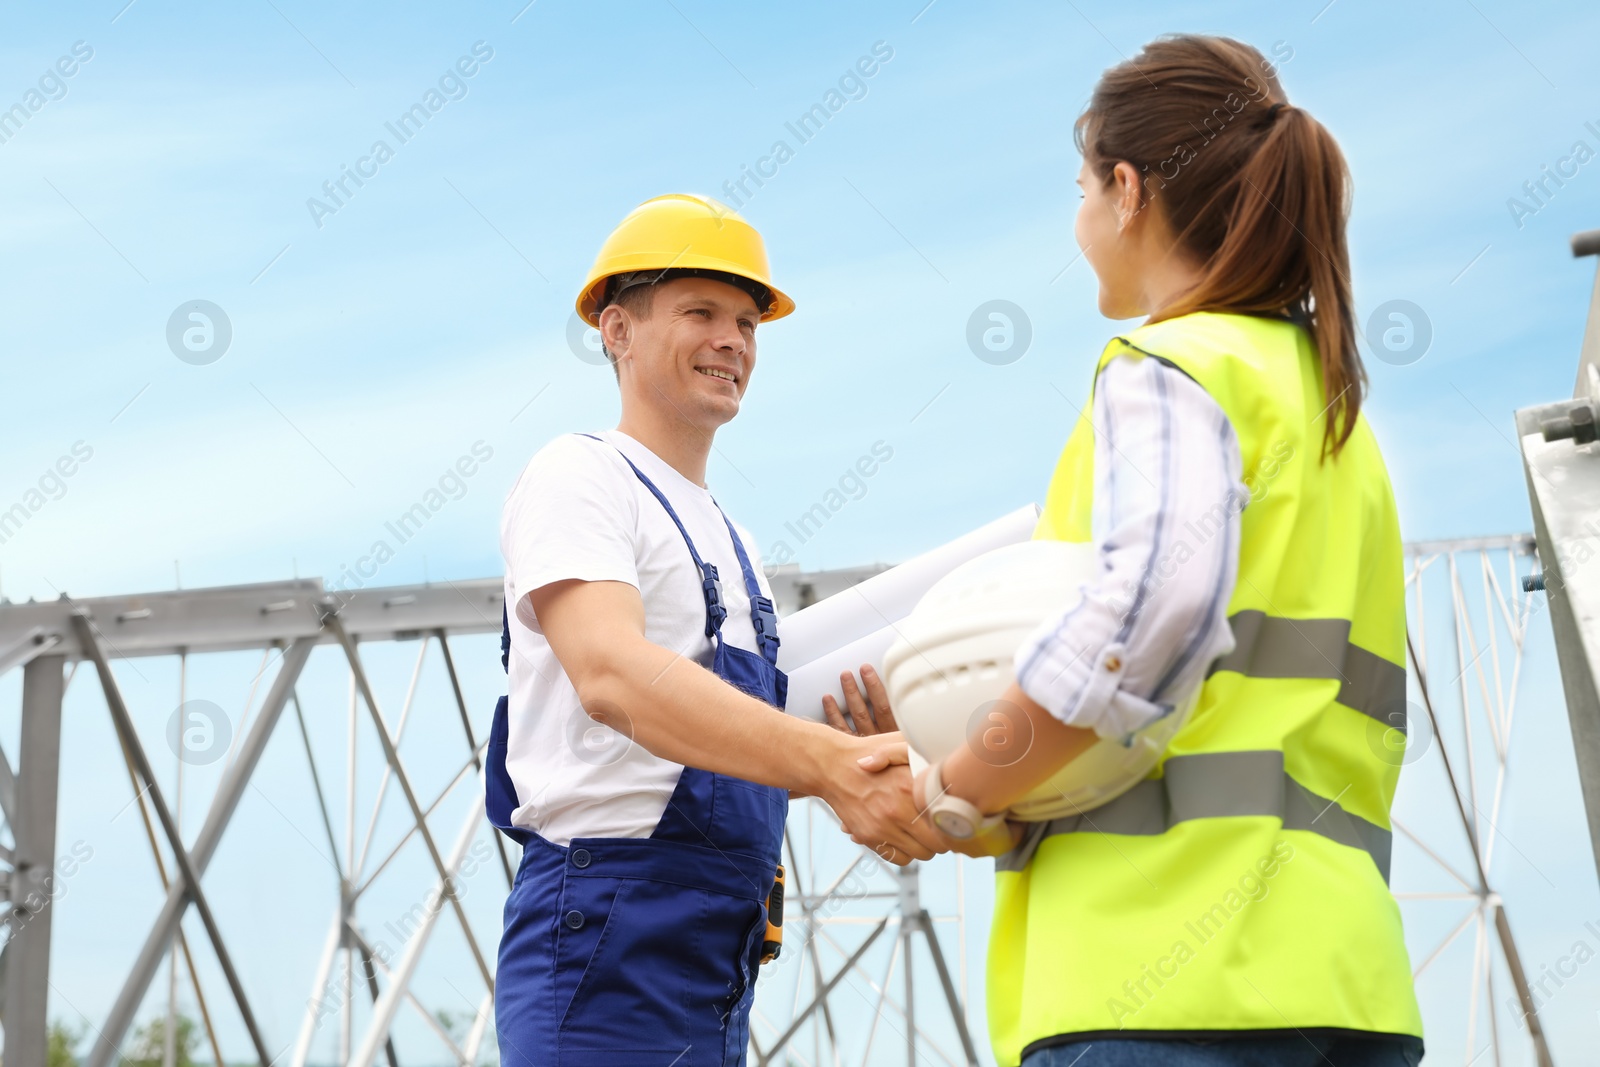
x: 105, y: 1050
x: 130, y: 741
x: 821, y: 996
x: 472, y: 741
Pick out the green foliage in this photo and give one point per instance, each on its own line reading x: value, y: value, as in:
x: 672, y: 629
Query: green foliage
x: 148, y: 1047
x: 63, y: 1044
x: 459, y: 1023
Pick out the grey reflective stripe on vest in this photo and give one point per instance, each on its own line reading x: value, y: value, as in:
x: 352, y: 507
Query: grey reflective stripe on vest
x: 1270, y: 646
x: 1214, y: 785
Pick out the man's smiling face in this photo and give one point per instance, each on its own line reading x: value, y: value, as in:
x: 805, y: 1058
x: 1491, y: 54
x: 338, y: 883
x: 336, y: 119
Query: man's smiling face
x: 692, y: 354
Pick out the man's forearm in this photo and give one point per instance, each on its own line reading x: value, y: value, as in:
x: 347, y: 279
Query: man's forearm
x: 681, y: 711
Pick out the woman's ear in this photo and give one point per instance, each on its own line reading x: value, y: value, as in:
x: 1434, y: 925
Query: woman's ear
x: 1128, y: 194
x: 616, y: 331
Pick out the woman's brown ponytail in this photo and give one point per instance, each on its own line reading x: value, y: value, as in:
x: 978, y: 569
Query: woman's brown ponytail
x: 1256, y: 191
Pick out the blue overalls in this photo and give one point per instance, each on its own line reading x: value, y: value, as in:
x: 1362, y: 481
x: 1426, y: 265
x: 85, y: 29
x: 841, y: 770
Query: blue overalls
x: 643, y: 952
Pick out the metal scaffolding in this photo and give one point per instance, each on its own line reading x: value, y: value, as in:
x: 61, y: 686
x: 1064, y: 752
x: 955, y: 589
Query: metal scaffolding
x: 286, y: 621
x: 847, y: 989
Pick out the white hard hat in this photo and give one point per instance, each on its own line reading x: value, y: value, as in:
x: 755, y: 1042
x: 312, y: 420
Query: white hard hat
x: 952, y: 662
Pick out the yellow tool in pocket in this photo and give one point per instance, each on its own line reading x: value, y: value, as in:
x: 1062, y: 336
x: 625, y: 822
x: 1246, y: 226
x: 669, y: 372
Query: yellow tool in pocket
x: 773, y: 944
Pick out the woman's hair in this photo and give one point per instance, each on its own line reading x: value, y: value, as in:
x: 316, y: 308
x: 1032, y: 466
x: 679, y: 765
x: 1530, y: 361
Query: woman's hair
x: 1256, y: 191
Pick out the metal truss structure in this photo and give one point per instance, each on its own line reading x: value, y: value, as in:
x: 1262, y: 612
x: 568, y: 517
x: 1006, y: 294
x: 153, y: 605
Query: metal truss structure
x: 286, y: 622
x: 858, y: 930
x: 1461, y: 719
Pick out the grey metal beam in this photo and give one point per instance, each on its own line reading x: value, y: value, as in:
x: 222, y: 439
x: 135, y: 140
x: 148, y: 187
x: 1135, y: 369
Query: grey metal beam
x: 24, y: 647
x: 104, y: 1050
x: 229, y: 618
x: 1521, y: 544
x: 8, y: 786
x: 27, y: 986
x: 924, y: 922
x: 369, y: 969
x: 322, y: 799
x: 180, y: 855
x: 1563, y: 472
x: 1564, y: 491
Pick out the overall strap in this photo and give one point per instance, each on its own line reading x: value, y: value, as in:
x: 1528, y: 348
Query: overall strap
x: 762, y: 613
x: 710, y: 586
x: 505, y: 639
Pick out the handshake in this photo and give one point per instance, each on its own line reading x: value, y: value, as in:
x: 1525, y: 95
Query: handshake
x: 869, y: 785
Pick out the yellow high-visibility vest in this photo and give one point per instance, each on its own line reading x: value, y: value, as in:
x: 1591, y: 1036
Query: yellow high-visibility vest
x: 1244, y: 884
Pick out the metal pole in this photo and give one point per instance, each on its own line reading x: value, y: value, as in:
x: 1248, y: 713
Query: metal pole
x: 231, y: 788
x: 317, y: 1003
x: 1519, y: 979
x: 910, y: 908
x: 369, y: 969
x: 925, y: 921
x: 347, y: 978
x: 169, y: 1050
x: 33, y: 885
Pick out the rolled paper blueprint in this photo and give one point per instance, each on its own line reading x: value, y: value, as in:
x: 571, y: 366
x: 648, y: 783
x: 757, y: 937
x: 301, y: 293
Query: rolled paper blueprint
x: 855, y: 625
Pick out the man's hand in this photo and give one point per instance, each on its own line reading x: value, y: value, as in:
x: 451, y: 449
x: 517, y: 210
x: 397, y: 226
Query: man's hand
x: 868, y: 715
x: 994, y: 842
x: 871, y: 796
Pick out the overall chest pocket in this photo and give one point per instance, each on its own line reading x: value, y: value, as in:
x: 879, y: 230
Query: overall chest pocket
x: 749, y: 817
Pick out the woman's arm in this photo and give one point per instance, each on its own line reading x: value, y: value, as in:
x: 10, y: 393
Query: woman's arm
x: 1168, y: 494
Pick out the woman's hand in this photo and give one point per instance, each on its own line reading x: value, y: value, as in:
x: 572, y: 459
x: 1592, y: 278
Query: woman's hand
x: 869, y: 714
x: 995, y: 841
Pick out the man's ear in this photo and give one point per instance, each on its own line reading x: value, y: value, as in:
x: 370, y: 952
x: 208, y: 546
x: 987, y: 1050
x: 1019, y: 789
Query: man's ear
x: 616, y: 331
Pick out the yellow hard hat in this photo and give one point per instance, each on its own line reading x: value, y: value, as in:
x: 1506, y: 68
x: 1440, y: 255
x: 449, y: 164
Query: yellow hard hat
x: 683, y: 232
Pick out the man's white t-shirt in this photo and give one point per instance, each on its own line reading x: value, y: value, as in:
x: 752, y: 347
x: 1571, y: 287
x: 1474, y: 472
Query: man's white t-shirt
x: 578, y: 511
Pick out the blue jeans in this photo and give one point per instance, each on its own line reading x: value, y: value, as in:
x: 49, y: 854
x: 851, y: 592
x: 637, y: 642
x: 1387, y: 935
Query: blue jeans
x: 1297, y: 1051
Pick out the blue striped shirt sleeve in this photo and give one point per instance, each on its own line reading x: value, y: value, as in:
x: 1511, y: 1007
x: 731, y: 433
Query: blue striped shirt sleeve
x: 1167, y: 498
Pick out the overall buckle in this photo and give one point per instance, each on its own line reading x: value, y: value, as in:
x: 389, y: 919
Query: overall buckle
x: 712, y: 587
x: 766, y: 621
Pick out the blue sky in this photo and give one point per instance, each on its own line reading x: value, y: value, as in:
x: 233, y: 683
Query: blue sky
x: 431, y: 311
